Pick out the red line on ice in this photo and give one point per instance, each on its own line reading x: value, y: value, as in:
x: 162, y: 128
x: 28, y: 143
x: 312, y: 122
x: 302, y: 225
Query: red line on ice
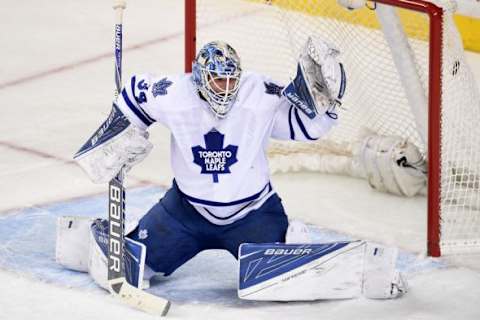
x: 46, y: 73
x: 66, y: 67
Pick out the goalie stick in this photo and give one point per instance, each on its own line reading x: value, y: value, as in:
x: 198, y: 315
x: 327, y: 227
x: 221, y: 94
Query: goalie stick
x: 118, y: 285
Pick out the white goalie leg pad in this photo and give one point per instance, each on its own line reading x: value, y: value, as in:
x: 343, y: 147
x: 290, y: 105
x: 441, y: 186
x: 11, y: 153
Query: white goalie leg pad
x: 304, y: 272
x: 77, y: 249
x: 297, y: 232
x: 301, y: 272
x: 392, y: 164
x: 381, y: 279
x: 98, y: 263
x: 134, y: 259
x: 72, y: 245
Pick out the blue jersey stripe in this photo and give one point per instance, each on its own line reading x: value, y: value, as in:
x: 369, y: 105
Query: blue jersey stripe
x: 302, y: 127
x: 343, y: 82
x: 226, y: 204
x: 230, y: 216
x: 134, y: 109
x: 292, y: 132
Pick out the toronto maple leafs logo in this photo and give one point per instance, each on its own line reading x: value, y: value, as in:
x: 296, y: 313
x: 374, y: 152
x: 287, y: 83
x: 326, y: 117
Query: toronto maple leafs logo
x: 214, y: 159
x: 272, y: 88
x: 160, y: 87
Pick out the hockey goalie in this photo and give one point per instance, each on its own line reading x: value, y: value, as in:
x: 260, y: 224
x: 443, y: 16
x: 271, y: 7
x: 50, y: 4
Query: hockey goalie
x: 221, y: 119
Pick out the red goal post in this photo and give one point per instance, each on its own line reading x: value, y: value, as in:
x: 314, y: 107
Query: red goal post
x: 434, y: 94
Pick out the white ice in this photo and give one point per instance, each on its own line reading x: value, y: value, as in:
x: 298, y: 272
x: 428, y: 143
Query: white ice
x: 56, y: 85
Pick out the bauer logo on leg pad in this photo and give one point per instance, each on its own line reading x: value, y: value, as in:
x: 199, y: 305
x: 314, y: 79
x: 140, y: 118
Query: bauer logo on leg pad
x: 285, y: 252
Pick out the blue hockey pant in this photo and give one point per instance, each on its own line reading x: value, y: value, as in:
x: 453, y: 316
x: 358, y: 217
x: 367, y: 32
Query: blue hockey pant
x: 174, y: 232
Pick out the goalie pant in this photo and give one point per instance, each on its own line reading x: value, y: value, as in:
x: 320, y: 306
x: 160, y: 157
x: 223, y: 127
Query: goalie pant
x: 174, y: 232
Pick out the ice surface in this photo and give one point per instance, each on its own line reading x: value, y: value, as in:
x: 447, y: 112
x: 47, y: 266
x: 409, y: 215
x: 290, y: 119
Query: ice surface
x: 56, y: 86
x: 27, y: 248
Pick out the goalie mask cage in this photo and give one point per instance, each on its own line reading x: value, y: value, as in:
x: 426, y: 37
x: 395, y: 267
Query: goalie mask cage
x: 406, y: 76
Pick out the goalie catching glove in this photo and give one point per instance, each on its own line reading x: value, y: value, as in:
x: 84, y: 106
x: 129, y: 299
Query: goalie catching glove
x: 320, y: 81
x: 116, y: 144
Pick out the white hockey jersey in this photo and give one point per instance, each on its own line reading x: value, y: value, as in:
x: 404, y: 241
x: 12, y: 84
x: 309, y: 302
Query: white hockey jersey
x: 220, y: 165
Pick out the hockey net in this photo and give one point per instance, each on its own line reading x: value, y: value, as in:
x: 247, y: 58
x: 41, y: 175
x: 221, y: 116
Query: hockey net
x: 407, y: 76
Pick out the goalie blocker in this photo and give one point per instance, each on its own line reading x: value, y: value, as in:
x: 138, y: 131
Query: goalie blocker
x: 114, y: 145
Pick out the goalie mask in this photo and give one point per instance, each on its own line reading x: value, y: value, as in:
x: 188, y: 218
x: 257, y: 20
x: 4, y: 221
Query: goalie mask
x: 216, y: 74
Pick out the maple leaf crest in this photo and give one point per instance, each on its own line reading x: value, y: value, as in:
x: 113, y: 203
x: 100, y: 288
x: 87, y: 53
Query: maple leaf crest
x: 160, y: 87
x: 214, y: 159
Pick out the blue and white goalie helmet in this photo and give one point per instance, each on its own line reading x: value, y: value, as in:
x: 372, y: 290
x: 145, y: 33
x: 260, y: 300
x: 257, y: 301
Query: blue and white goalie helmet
x: 216, y: 74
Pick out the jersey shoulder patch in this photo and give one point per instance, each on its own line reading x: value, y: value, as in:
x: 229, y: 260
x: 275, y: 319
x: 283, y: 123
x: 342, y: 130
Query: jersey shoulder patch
x: 160, y: 87
x: 273, y: 88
